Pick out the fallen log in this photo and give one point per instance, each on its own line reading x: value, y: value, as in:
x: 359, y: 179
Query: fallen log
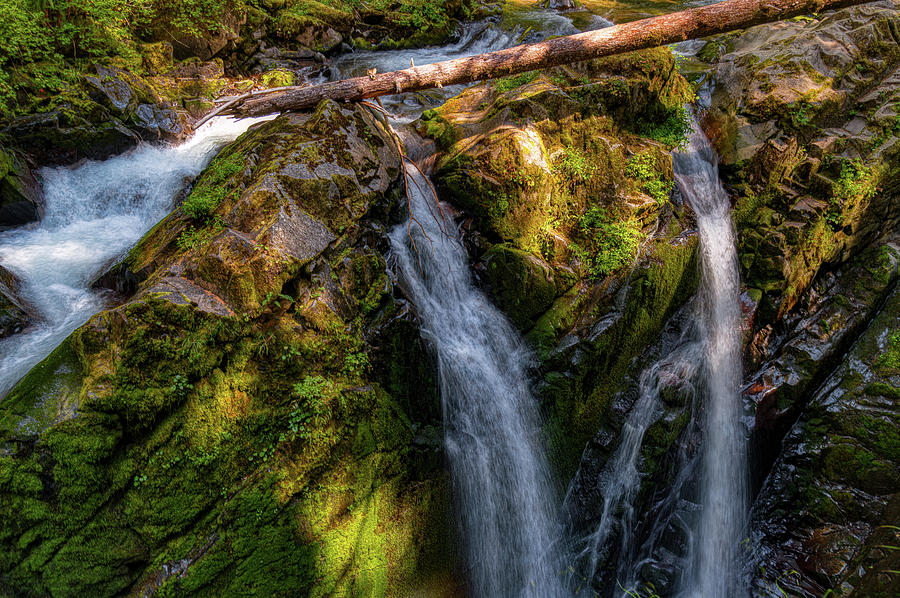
x: 637, y: 35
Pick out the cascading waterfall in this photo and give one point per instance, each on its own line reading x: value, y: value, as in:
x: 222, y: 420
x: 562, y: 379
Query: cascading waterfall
x: 621, y: 476
x: 491, y: 425
x: 94, y: 213
x: 709, y: 360
x: 715, y: 546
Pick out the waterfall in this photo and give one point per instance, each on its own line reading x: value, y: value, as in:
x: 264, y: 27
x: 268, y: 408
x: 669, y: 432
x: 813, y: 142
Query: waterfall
x: 723, y: 484
x: 94, y: 213
x: 707, y: 502
x: 491, y: 425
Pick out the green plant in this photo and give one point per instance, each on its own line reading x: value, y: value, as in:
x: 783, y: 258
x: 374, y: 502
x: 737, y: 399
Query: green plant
x: 799, y: 114
x: 643, y: 167
x: 672, y: 131
x: 855, y: 184
x: 613, y: 243
x: 575, y: 165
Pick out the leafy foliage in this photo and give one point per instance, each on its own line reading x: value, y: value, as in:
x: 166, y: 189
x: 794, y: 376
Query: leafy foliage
x: 671, y: 132
x: 48, y: 42
x: 643, y: 167
x: 613, y: 243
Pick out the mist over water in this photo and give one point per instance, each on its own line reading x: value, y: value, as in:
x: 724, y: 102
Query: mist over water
x: 94, y: 213
x: 502, y: 490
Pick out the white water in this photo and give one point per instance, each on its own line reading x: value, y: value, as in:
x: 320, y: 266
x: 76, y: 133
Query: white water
x: 492, y: 433
x: 94, y: 213
x: 707, y: 365
x: 723, y: 491
x: 621, y: 476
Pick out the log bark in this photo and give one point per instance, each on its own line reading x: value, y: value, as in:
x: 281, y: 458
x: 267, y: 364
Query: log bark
x: 637, y: 35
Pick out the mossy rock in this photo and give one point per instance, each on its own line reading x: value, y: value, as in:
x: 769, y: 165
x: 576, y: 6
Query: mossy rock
x: 199, y: 451
x: 522, y: 285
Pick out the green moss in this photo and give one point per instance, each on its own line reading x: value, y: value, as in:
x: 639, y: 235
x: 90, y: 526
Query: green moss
x: 437, y: 127
x: 507, y: 83
x: 213, y: 186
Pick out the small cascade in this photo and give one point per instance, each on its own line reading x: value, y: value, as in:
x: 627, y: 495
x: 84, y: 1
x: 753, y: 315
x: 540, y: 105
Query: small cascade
x: 621, y: 476
x: 723, y: 484
x: 704, y: 509
x: 492, y: 432
x: 94, y: 213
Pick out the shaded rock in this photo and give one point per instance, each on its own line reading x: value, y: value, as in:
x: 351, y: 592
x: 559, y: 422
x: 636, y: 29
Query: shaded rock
x: 816, y: 521
x: 799, y: 354
x: 522, y: 284
x: 15, y: 315
x: 21, y: 198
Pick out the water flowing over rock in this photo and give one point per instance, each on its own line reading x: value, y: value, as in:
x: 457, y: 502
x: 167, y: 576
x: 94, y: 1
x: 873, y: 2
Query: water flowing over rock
x: 491, y: 427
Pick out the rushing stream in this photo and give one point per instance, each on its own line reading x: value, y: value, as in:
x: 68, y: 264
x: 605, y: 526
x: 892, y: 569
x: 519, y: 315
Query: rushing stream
x: 94, y: 213
x: 500, y: 476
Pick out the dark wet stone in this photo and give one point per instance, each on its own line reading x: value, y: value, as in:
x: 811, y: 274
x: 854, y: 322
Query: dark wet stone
x: 15, y: 315
x: 21, y: 198
x: 838, y: 474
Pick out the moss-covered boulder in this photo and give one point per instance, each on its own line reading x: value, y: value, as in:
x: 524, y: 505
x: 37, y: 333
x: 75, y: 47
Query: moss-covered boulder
x: 254, y: 418
x: 568, y: 179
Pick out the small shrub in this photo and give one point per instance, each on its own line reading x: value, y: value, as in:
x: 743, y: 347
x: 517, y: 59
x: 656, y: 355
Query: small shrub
x: 673, y: 131
x: 613, y: 243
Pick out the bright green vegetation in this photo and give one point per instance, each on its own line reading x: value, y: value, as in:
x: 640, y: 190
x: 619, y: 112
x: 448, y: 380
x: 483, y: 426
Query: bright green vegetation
x: 47, y: 44
x: 855, y: 184
x: 575, y: 166
x: 644, y: 167
x: 673, y: 131
x: 508, y: 83
x: 611, y: 243
x: 212, y: 187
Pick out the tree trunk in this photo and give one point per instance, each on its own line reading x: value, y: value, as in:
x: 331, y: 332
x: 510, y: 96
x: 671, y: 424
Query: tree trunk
x: 637, y: 35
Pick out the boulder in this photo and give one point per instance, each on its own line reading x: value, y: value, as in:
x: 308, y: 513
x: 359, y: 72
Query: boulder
x: 21, y: 198
x: 252, y: 419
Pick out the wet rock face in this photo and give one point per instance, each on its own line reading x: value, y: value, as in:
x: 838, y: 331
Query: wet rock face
x: 21, y: 199
x: 802, y: 350
x: 259, y: 416
x: 804, y: 116
x: 15, y: 315
x: 816, y: 522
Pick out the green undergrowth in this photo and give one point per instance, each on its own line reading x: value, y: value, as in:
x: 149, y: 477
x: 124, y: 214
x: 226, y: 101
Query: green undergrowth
x: 611, y: 243
x: 49, y: 44
x: 645, y: 168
